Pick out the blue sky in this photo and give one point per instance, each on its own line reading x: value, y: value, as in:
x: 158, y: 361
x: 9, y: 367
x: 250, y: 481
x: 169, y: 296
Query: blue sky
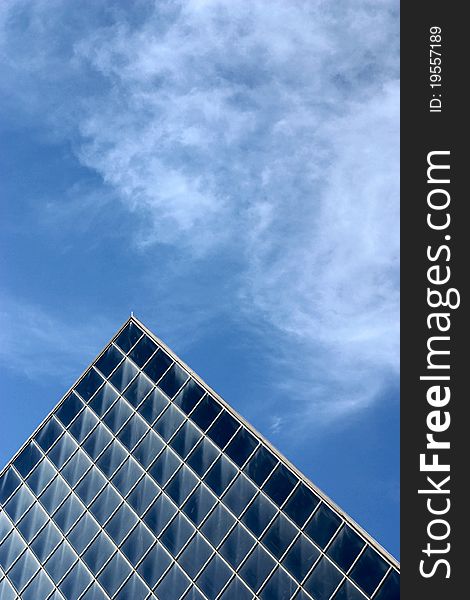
x: 229, y: 172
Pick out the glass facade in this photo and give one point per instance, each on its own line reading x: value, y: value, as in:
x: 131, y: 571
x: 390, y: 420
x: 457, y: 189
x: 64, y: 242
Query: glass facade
x: 142, y: 484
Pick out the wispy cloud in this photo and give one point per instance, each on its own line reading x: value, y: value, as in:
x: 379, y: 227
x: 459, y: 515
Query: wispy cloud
x: 269, y: 133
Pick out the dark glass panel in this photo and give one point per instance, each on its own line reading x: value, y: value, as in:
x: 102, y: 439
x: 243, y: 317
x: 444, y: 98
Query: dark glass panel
x: 143, y: 351
x: 60, y: 562
x: 185, y: 440
x: 173, y: 585
x: 75, y: 582
x: 237, y: 590
x: 189, y: 396
x: 69, y: 409
x: 205, y: 412
x: 109, y: 360
x: 279, y: 587
x: 300, y: 558
x: 118, y: 415
x: 132, y: 432
x: 193, y: 594
x: 148, y: 449
x: 390, y: 588
x: 143, y: 495
x: 217, y: 525
x: 68, y: 514
x: 213, y: 578
x: 279, y: 535
x: 112, y: 458
x: 137, y: 544
x: 369, y: 570
x: 177, y: 534
x: 77, y: 466
x: 99, y: 552
x: 154, y: 565
x: 114, y: 574
x: 169, y: 422
x: 181, y: 485
x: 237, y: 546
x: 83, y: 532
x: 27, y: 459
x: 159, y: 514
x: 63, y: 450
x: 239, y: 494
x: 345, y: 547
x: 93, y: 593
x: 11, y: 547
x: 54, y: 494
x: 173, y: 379
x: 220, y: 475
x: 8, y: 484
x: 260, y: 465
x: 103, y: 400
x: 48, y: 434
x: 83, y: 424
x: 6, y: 591
x: 41, y: 476
x: 258, y: 515
x: 19, y: 503
x: 322, y: 525
x: 123, y: 375
x: 32, y: 521
x: 195, y: 555
x: 23, y: 570
x: 137, y: 390
x: 199, y: 504
x: 97, y: 441
x: 89, y: 384
x: 38, y: 589
x: 49, y: 538
x: 163, y: 468
x: 152, y: 407
x: 5, y: 526
x: 121, y: 523
x: 202, y: 457
x: 133, y: 589
x: 323, y: 580
x: 223, y: 429
x: 241, y: 446
x: 301, y: 504
x: 280, y: 484
x: 348, y: 592
x: 128, y: 337
x: 257, y: 567
x: 157, y: 365
x: 105, y: 504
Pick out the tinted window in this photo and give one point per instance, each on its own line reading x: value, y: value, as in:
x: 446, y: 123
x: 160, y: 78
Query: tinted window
x: 369, y: 570
x: 157, y: 365
x: 241, y: 446
x: 143, y: 351
x: 323, y: 580
x: 345, y: 547
x: 301, y: 504
x: 89, y: 384
x: 280, y: 484
x: 205, y: 412
x: 300, y: 557
x: 223, y: 429
x: 128, y: 337
x: 109, y: 360
x: 322, y: 525
x: 279, y: 535
x: 27, y: 459
x: 260, y: 465
x: 173, y: 380
x: 189, y: 396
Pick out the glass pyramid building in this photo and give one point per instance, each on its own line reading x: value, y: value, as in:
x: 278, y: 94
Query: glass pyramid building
x: 142, y: 483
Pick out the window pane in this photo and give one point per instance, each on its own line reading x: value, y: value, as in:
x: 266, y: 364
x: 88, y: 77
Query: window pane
x: 181, y: 485
x: 54, y: 494
x: 143, y: 495
x: 137, y: 544
x: 127, y: 476
x: 41, y: 476
x: 241, y: 446
x: 369, y: 570
x: 8, y: 484
x: 148, y: 449
x: 199, y: 504
x: 185, y: 440
x: 301, y: 504
x: 237, y: 546
x: 203, y: 456
x: 279, y: 535
x: 128, y: 336
x: 390, y: 588
x: 112, y: 458
x: 348, y: 592
x: 138, y: 389
x: 154, y: 565
x: 83, y: 532
x: 164, y: 467
x: 205, y: 412
x: 75, y: 582
x: 121, y: 523
x: 169, y: 422
x: 220, y: 475
x: 213, y: 578
x: 77, y: 466
x: 237, y: 590
x: 239, y: 494
x: 133, y: 589
x: 83, y: 424
x: 60, y: 562
x: 97, y: 441
x: 322, y: 525
x: 323, y: 580
x: 103, y: 400
x: 193, y: 594
x: 173, y: 584
x: 63, y: 450
x: 6, y: 591
x: 279, y: 587
x: 157, y: 365
x: 99, y: 552
x: 133, y: 431
x: 345, y: 547
x: 260, y: 465
x: 300, y: 557
x: 159, y: 514
x: 48, y: 434
x: 11, y: 547
x: 258, y: 515
x: 153, y: 406
x: 23, y: 570
x: 89, y: 384
x: 123, y: 375
x: 223, y: 429
x: 68, y: 514
x: 217, y: 525
x: 280, y: 484
x: 118, y: 415
x: 69, y: 409
x: 256, y: 568
x: 189, y: 396
x: 32, y: 522
x: 173, y: 379
x: 195, y: 555
x: 177, y: 534
x: 38, y: 589
x: 19, y: 503
x: 27, y: 459
x: 49, y: 538
x: 143, y: 351
x: 90, y: 486
x: 93, y: 593
x: 109, y: 361
x: 5, y: 526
